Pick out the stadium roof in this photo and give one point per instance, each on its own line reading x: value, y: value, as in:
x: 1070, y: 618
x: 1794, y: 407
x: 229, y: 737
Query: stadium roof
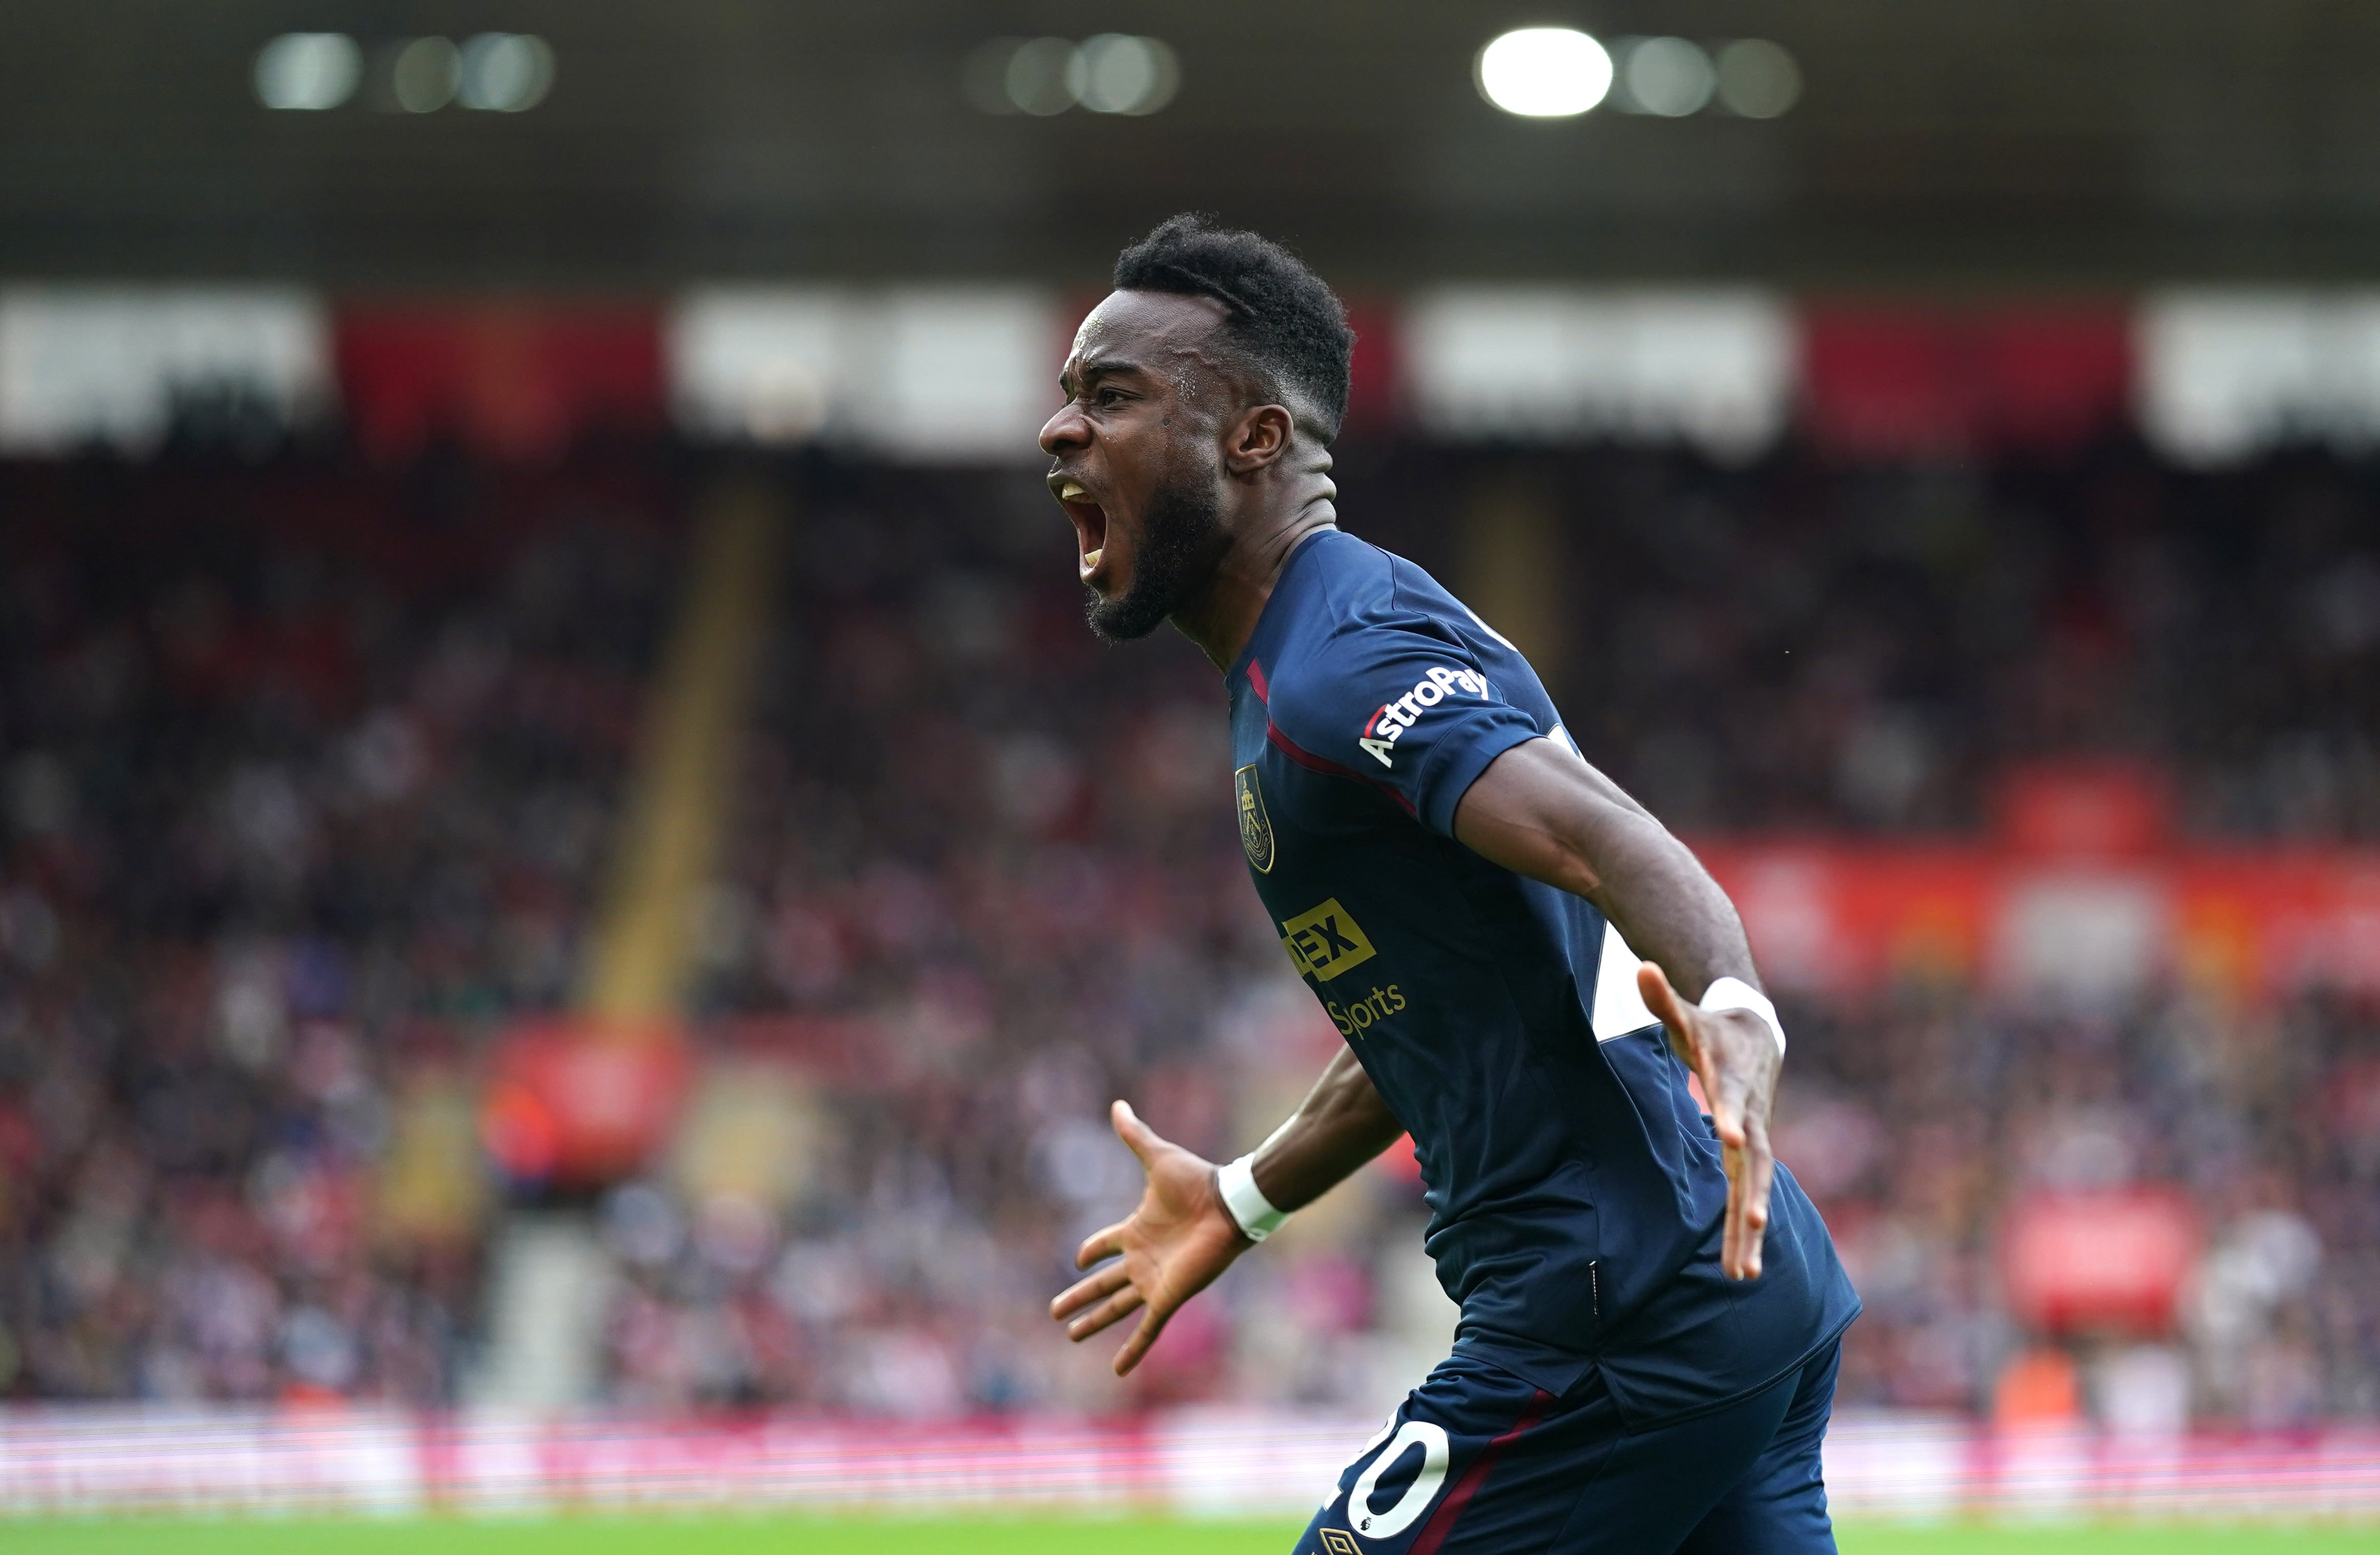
x: 2065, y: 142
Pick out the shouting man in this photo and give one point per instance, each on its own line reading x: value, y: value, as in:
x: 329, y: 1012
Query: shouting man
x: 1651, y: 1307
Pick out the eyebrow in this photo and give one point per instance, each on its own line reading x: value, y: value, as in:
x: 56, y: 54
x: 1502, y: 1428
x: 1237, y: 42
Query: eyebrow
x: 1103, y: 367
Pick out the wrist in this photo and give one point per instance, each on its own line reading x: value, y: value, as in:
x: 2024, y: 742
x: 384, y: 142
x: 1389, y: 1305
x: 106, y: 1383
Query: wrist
x: 1734, y: 993
x: 1235, y: 1185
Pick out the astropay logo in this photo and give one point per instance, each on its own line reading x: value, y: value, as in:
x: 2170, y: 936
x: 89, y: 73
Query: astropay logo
x: 1381, y: 731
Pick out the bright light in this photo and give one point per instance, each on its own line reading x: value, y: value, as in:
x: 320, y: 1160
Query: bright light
x: 505, y: 72
x: 308, y: 71
x: 1038, y: 76
x: 1757, y: 78
x: 1116, y: 73
x: 1545, y: 72
x: 425, y: 74
x: 1669, y: 76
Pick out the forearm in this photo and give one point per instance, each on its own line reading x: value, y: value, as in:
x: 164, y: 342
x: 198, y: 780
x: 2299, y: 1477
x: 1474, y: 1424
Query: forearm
x: 1666, y: 904
x: 1541, y: 811
x: 1341, y: 1123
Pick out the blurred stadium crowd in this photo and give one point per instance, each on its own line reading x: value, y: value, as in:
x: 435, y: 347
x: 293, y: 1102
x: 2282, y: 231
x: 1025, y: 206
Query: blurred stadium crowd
x: 307, y: 772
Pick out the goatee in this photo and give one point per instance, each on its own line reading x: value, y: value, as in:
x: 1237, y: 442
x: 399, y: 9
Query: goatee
x: 1181, y: 537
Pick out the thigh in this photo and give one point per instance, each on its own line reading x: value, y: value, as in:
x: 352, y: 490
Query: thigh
x: 1779, y: 1505
x: 1653, y: 1489
x: 1475, y: 1460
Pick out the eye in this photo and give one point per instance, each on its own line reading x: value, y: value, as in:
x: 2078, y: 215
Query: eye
x: 1109, y: 396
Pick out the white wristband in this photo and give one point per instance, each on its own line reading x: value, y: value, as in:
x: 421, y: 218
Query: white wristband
x: 1734, y: 993
x: 1237, y: 1182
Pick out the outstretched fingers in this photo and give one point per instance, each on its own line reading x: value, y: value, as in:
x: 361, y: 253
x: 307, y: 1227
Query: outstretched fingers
x: 1102, y: 1244
x: 1143, y: 1140
x: 1082, y: 1293
x: 1728, y: 1089
x: 1122, y: 1303
x: 1142, y: 1338
x: 1742, y: 1126
x: 1751, y: 1167
x: 1653, y: 985
x: 1684, y: 1023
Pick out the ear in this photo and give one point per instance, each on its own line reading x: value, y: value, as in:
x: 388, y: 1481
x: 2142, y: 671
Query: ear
x: 1256, y: 438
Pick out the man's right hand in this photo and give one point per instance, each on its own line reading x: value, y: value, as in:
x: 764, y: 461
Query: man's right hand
x: 1172, y: 1246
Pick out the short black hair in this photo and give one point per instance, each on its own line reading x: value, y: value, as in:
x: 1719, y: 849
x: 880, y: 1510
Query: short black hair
x: 1283, y: 318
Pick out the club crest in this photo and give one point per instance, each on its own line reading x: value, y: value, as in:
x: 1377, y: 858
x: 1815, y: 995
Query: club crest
x: 1256, y: 826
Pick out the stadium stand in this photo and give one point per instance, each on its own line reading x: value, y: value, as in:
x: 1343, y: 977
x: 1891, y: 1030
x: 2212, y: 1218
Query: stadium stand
x: 307, y: 769
x: 309, y: 766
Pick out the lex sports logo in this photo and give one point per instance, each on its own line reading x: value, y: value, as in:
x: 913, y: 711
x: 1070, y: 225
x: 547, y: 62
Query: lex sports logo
x: 1325, y: 942
x: 1256, y: 826
x: 1380, y: 732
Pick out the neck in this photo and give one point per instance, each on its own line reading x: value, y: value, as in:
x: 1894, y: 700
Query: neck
x: 1222, y: 614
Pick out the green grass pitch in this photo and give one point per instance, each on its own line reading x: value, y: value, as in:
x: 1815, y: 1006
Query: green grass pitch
x: 760, y: 1535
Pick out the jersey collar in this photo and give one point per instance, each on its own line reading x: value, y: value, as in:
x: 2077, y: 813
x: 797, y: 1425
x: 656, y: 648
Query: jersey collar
x: 1247, y: 658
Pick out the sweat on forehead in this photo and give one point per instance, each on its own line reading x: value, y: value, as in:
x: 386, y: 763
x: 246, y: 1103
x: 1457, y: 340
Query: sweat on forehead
x: 1185, y: 340
x: 1145, y: 327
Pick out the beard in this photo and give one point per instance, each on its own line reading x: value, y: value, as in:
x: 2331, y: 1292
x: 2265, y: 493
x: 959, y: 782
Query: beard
x: 1180, y: 537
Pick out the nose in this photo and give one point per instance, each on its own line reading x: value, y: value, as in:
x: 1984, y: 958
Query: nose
x: 1066, y: 431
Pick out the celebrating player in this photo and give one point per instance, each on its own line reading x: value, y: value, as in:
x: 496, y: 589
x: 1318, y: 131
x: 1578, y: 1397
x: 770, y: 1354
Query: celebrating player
x: 1651, y: 1307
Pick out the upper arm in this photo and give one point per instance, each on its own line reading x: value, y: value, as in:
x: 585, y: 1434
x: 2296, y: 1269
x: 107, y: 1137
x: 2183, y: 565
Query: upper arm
x: 1538, y: 810
x: 1409, y: 712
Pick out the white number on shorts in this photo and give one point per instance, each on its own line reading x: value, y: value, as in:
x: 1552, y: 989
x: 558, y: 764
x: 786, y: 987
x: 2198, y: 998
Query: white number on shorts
x: 1432, y: 1440
x: 1377, y: 1437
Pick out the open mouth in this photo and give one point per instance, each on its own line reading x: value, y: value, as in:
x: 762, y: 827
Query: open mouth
x: 1090, y: 522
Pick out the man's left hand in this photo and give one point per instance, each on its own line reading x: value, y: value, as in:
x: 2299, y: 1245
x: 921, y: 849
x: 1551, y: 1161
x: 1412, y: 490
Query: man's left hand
x: 1734, y: 1053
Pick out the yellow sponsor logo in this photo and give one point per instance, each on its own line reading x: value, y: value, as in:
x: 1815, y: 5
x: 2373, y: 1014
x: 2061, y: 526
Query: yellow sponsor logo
x: 1325, y: 942
x: 1352, y: 1017
x: 1338, y: 1541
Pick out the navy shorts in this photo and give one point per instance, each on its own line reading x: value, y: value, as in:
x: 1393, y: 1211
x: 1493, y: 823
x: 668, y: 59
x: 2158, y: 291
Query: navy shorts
x: 1479, y: 1462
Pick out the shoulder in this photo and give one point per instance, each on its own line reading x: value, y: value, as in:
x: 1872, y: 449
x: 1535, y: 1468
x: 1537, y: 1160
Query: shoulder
x: 1370, y: 625
x: 1337, y: 575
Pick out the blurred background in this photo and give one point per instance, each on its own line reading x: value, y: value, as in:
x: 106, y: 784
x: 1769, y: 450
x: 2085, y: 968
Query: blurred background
x: 565, y: 851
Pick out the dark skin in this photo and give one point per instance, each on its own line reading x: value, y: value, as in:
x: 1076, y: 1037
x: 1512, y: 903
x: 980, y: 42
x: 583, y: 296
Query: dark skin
x: 1154, y: 397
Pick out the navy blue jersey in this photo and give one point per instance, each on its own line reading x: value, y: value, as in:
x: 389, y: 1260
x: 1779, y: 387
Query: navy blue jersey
x: 1575, y: 1189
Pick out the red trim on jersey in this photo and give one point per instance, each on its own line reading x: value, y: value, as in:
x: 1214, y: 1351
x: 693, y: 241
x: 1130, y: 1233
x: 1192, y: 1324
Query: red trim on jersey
x: 1434, y: 1532
x: 1257, y: 682
x: 1312, y: 762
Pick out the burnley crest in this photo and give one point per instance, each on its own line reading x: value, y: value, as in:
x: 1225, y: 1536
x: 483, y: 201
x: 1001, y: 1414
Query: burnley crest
x: 1255, y: 827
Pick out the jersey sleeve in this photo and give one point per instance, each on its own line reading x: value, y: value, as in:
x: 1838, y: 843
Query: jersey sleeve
x: 1405, y: 711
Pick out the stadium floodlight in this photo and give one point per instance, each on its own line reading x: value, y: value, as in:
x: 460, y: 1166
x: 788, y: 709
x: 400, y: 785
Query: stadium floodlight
x: 1112, y: 73
x: 1039, y: 77
x: 426, y: 75
x: 505, y: 72
x: 308, y: 71
x: 1117, y: 73
x: 1544, y: 72
x: 1669, y: 76
x: 1757, y: 78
